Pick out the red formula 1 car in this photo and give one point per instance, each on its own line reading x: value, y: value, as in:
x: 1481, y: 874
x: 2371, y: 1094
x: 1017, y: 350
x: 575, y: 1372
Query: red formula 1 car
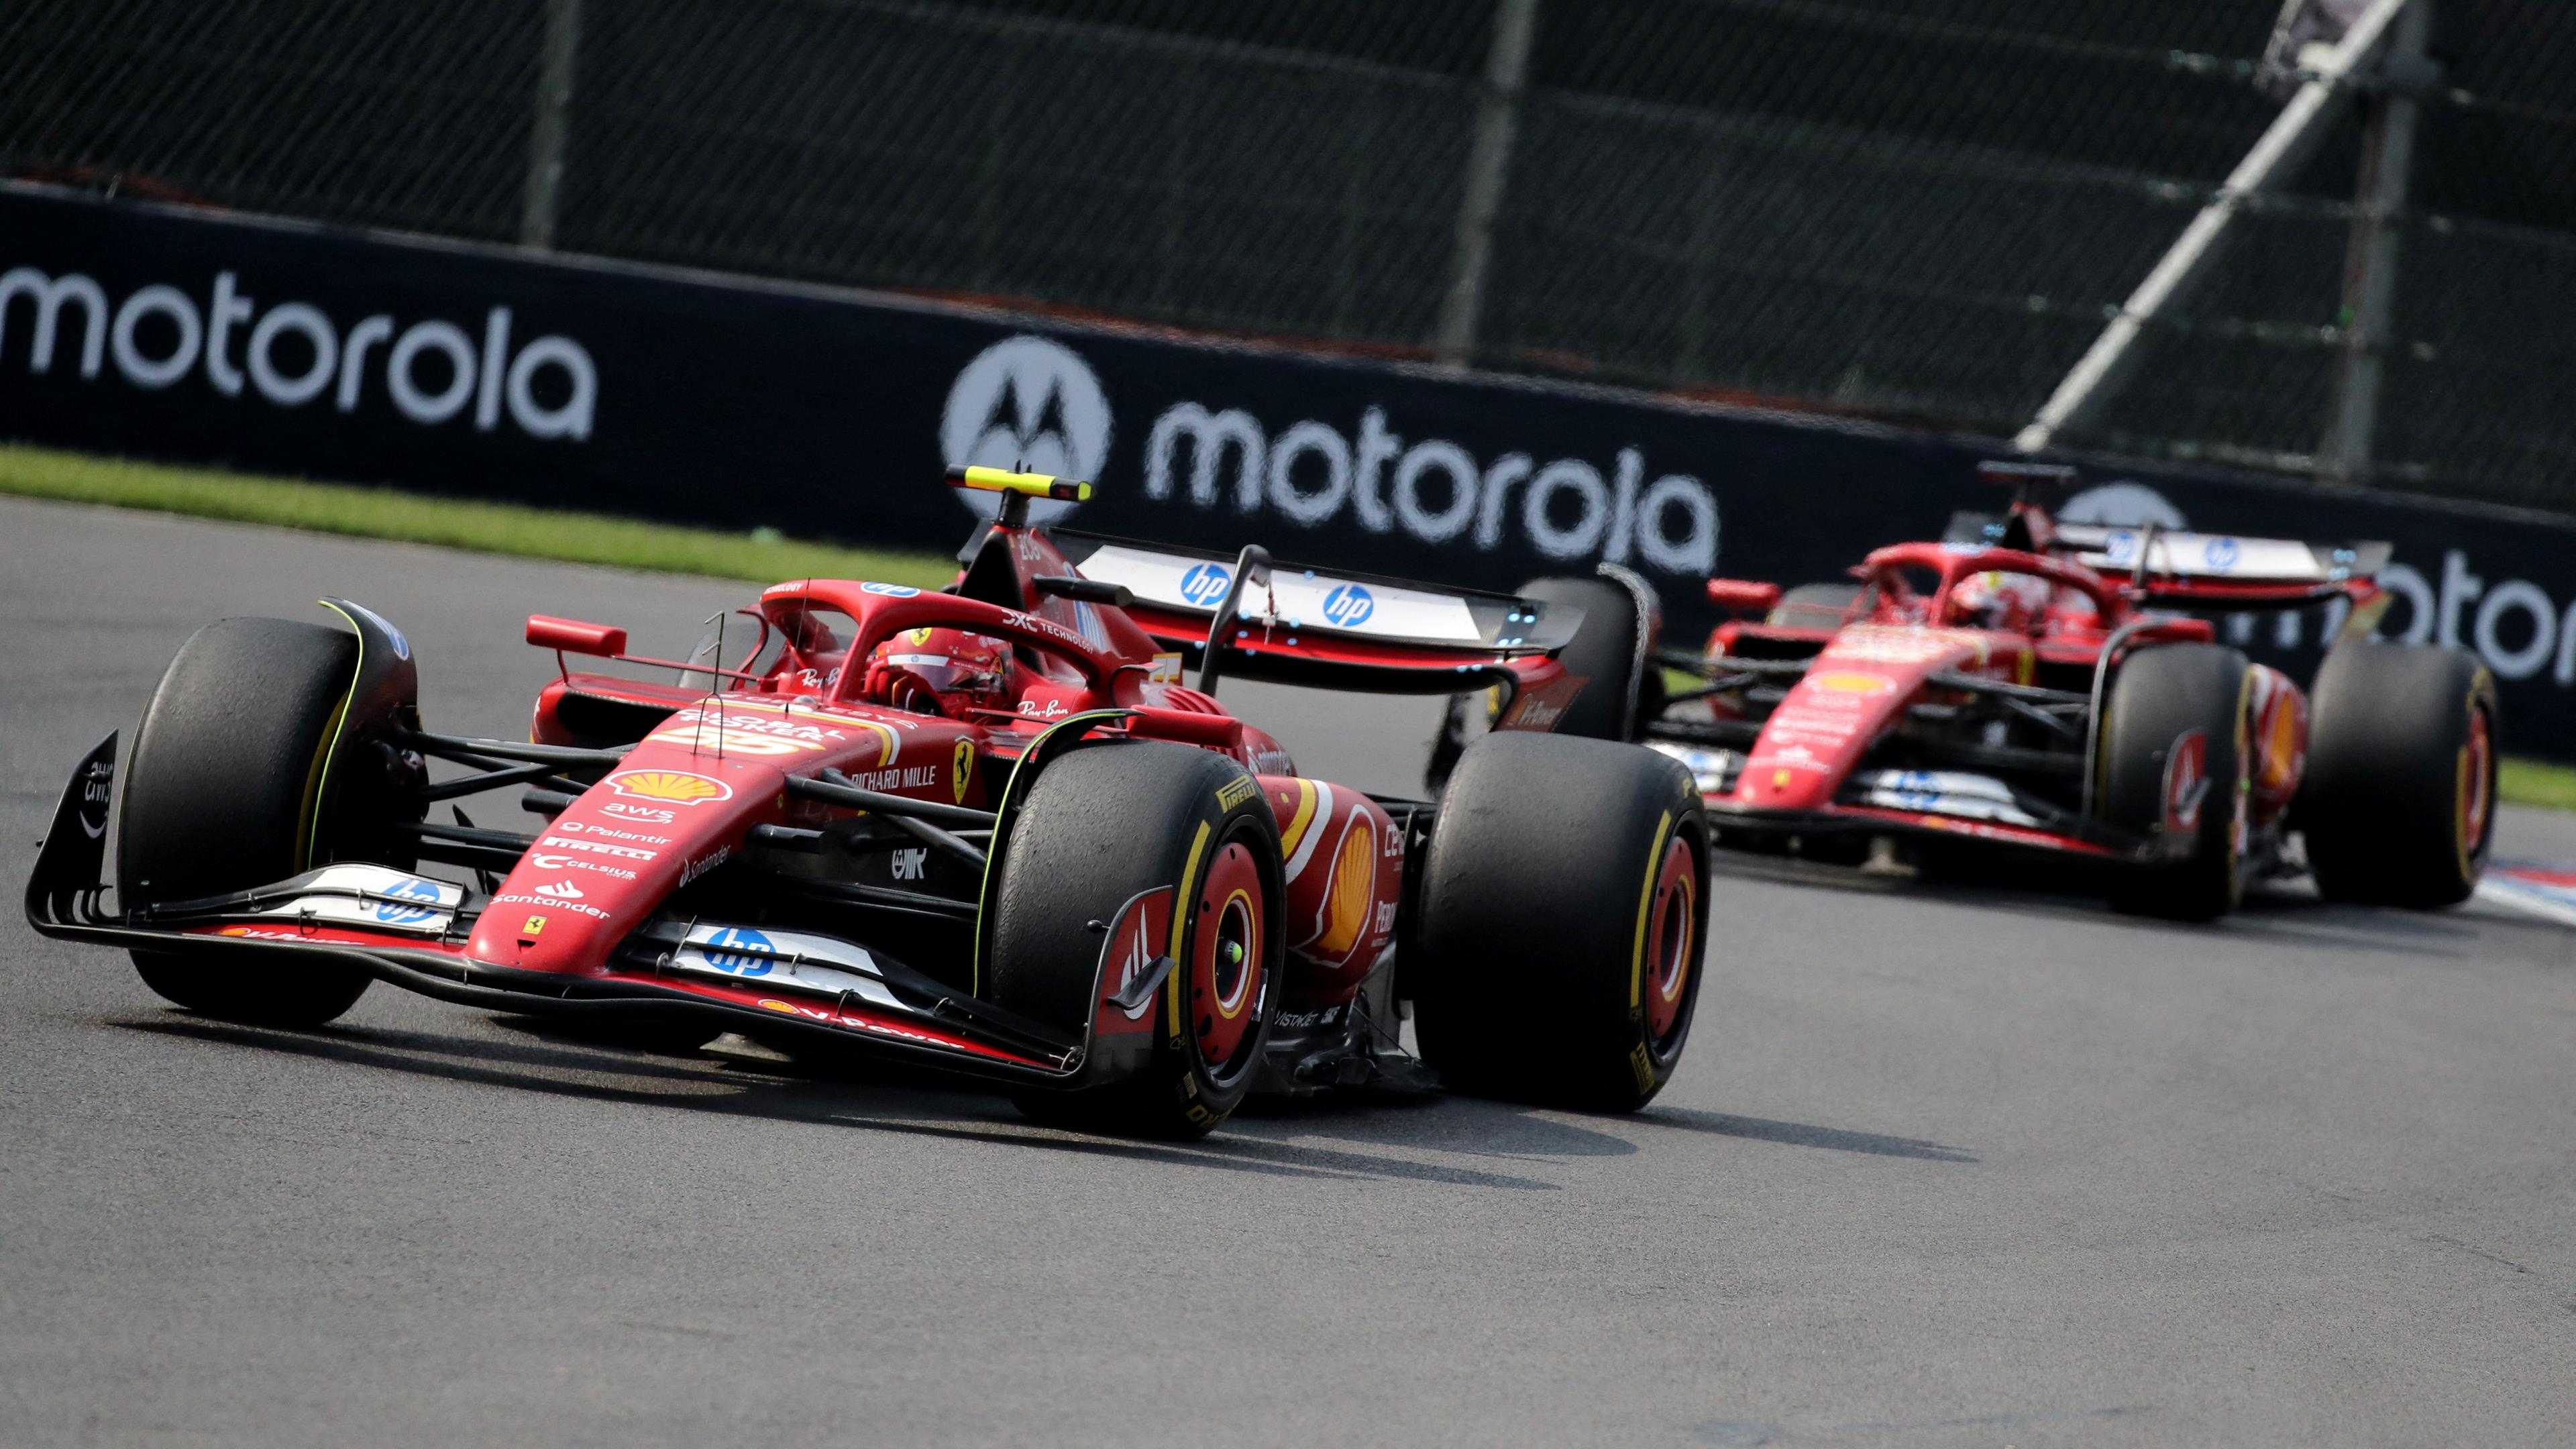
x: 986, y: 829
x: 2027, y: 683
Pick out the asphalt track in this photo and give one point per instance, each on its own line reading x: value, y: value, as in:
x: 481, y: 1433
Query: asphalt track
x: 1944, y: 1166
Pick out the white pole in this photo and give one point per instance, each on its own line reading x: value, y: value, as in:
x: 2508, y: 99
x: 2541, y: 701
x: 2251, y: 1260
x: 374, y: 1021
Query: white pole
x: 1489, y: 164
x: 2291, y: 137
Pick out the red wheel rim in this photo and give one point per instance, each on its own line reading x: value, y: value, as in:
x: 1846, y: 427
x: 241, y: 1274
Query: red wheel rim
x: 2476, y: 770
x: 1672, y: 942
x: 1227, y: 989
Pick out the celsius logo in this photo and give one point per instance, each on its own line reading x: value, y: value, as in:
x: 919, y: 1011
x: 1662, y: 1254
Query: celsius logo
x: 1029, y: 404
x: 1348, y: 606
x: 292, y: 354
x: 1205, y: 584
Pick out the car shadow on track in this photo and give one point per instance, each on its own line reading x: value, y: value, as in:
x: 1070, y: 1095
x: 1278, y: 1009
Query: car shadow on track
x: 1467, y: 1126
x: 572, y: 1069
x: 1799, y: 1134
x: 2053, y: 891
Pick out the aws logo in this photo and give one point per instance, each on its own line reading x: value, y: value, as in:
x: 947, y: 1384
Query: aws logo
x: 1029, y: 404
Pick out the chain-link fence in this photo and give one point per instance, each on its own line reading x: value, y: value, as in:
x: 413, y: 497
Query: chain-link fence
x: 1921, y: 210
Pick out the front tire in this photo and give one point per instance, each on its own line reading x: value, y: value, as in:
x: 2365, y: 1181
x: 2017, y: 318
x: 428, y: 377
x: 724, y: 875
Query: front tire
x: 2398, y: 804
x: 1554, y: 952
x: 225, y: 792
x: 1101, y: 825
x: 2173, y: 762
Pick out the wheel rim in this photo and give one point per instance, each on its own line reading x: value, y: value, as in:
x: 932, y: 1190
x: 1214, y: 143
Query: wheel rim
x: 1229, y: 979
x: 2476, y: 787
x: 1672, y: 942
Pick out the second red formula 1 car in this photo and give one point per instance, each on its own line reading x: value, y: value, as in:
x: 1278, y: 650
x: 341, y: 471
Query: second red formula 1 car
x: 2035, y: 685
x: 985, y: 829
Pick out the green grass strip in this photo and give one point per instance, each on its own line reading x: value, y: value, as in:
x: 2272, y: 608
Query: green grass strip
x: 504, y: 528
x: 2537, y: 782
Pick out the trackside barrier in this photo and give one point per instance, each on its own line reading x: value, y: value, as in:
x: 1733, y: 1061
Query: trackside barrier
x: 276, y: 347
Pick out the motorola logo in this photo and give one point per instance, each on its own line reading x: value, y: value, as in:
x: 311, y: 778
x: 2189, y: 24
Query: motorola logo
x: 1031, y: 405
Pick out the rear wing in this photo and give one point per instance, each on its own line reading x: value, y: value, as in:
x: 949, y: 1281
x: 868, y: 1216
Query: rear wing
x: 2222, y: 567
x: 1332, y: 627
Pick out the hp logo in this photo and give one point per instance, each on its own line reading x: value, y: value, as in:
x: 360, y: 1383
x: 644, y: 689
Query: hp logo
x: 726, y: 951
x: 1348, y: 606
x: 411, y: 890
x: 1206, y: 583
x: 2222, y: 553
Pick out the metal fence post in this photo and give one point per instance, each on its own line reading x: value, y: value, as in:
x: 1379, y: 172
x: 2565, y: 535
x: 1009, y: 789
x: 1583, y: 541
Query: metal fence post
x: 2292, y: 137
x: 546, y: 135
x: 2370, y: 266
x: 1488, y: 165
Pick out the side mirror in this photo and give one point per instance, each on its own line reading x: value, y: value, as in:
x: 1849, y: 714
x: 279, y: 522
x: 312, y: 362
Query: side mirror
x: 1743, y: 595
x: 572, y: 636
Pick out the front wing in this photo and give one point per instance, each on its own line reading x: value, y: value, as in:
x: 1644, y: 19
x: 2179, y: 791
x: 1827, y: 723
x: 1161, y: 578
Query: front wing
x: 410, y: 932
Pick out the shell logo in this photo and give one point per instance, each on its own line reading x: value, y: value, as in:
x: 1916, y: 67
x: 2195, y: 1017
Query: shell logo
x: 676, y: 787
x: 1354, y: 890
x: 1845, y: 681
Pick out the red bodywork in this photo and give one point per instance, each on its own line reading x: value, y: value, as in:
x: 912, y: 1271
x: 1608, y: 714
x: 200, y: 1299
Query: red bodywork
x: 608, y: 903
x: 1934, y: 617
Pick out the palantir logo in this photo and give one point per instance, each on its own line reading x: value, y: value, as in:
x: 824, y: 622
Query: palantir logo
x: 1205, y: 584
x: 1348, y: 606
x: 1031, y: 404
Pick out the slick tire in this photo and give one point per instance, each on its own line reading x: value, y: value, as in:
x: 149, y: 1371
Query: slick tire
x: 222, y: 794
x: 2398, y: 803
x: 1101, y: 825
x: 1603, y: 651
x: 1814, y: 606
x: 2159, y: 698
x: 1553, y: 952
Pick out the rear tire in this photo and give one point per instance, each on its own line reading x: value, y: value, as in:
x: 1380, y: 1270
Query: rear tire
x: 2398, y: 803
x: 1101, y: 825
x: 2160, y: 697
x: 222, y: 794
x: 1554, y: 950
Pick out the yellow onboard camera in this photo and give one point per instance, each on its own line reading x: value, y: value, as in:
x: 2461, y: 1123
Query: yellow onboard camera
x: 1026, y: 485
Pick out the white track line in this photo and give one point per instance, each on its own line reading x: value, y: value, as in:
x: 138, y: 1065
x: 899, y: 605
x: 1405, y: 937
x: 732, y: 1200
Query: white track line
x: 2526, y: 900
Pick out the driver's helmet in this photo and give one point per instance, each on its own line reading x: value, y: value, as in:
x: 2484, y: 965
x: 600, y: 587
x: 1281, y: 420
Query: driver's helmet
x: 1998, y: 600
x: 949, y: 670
